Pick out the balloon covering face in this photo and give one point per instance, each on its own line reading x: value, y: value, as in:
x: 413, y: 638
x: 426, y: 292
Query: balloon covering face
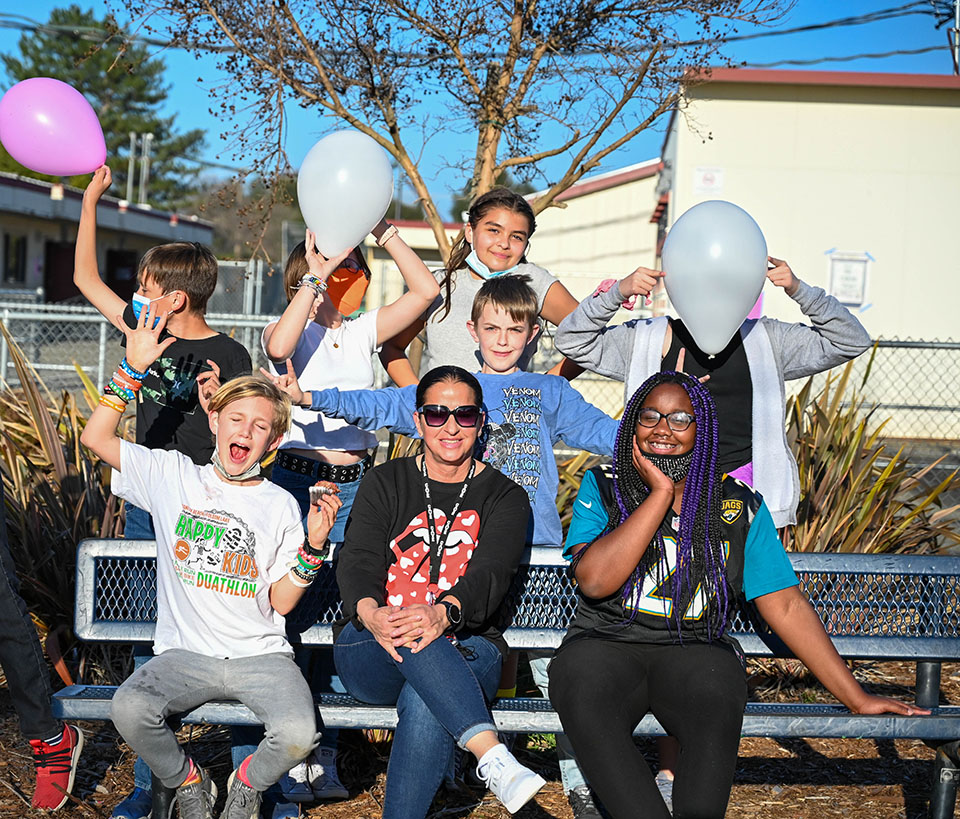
x: 344, y: 187
x: 49, y: 127
x: 714, y: 265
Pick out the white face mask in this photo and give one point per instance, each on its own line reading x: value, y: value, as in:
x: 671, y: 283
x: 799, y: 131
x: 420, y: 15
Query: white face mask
x: 478, y: 267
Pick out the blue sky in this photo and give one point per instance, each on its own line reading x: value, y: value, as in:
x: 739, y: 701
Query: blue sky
x: 900, y: 34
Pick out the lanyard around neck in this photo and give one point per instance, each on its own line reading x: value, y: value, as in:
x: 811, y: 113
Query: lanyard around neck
x: 437, y: 543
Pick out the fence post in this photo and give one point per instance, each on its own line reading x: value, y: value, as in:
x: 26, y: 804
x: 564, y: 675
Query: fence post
x: 4, y: 352
x: 102, y: 355
x: 258, y: 288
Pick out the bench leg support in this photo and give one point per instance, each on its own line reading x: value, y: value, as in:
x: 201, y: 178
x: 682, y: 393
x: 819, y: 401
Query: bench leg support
x: 163, y: 798
x: 946, y: 776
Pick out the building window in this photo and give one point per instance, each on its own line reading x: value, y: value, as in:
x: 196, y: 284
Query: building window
x: 14, y: 259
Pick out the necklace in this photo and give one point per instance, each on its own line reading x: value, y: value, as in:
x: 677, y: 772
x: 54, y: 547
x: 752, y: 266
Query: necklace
x: 336, y: 334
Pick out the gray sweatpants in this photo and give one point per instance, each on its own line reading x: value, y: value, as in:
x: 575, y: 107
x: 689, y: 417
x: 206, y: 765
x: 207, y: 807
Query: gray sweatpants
x: 176, y: 681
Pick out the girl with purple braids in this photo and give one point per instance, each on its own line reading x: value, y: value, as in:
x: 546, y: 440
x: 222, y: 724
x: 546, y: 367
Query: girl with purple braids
x: 665, y: 550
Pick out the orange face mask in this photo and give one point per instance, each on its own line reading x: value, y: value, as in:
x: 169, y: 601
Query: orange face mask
x: 347, y: 286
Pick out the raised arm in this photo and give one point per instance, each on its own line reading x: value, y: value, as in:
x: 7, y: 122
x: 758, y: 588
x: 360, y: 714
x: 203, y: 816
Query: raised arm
x: 86, y: 273
x: 794, y: 620
x: 393, y: 355
x: 143, y: 348
x: 422, y: 287
x: 280, y: 339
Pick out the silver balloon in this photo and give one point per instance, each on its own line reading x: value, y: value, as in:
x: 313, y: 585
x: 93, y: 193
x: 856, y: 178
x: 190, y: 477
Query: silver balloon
x: 714, y: 267
x: 344, y: 188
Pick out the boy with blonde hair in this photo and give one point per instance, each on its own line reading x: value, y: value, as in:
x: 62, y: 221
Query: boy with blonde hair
x: 231, y: 562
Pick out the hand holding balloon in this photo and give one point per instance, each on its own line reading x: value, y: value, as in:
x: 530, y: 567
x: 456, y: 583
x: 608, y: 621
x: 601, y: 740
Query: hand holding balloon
x: 97, y: 186
x: 318, y: 265
x: 782, y: 276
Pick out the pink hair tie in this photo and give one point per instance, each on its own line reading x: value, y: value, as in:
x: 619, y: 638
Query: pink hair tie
x: 606, y: 284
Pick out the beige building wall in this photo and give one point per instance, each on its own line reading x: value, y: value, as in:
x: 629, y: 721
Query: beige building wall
x: 869, y: 170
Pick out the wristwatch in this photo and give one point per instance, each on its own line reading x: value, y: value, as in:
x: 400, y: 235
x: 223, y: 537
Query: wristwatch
x: 454, y: 614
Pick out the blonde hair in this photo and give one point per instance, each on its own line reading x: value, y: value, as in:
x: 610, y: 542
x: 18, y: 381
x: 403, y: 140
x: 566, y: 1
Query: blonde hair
x: 255, y: 386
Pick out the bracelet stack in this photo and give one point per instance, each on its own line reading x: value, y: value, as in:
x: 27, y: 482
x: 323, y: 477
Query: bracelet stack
x: 304, y: 571
x: 123, y: 387
x: 315, y: 283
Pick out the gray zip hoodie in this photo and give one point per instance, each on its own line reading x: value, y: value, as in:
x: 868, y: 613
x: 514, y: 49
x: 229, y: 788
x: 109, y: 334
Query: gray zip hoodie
x: 776, y: 351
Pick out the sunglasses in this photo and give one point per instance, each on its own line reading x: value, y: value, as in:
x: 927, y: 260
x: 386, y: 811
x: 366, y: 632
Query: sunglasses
x: 436, y: 415
x: 677, y: 421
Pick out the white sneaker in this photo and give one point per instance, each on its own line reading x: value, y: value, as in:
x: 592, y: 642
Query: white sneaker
x: 295, y: 784
x: 324, y: 780
x: 512, y: 783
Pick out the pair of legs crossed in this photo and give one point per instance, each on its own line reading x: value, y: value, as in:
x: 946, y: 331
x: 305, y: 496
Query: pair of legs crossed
x: 176, y: 681
x: 603, y: 688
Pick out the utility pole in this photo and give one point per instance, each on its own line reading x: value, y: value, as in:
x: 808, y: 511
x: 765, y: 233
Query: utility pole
x: 131, y: 165
x: 955, y: 31
x: 146, y: 142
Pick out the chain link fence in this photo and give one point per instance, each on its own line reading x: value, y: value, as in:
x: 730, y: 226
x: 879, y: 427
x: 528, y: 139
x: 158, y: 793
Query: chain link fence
x: 913, y: 385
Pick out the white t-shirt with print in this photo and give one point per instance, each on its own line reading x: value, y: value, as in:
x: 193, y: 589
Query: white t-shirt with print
x: 219, y: 548
x: 331, y: 358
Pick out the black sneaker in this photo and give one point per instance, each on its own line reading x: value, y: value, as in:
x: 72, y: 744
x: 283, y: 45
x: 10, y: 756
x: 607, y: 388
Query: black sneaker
x: 196, y: 801
x: 243, y: 802
x: 582, y: 804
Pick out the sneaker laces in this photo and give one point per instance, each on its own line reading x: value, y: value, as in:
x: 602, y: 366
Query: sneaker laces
x: 59, y: 761
x: 493, y: 770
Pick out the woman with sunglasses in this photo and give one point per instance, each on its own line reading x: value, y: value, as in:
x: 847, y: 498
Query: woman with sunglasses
x: 327, y: 349
x: 433, y: 545
x: 664, y: 551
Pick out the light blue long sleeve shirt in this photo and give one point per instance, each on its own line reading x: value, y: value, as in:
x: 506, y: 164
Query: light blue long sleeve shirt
x: 527, y: 413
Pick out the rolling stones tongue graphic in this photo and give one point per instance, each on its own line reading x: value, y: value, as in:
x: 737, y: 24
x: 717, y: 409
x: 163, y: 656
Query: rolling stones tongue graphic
x: 408, y: 579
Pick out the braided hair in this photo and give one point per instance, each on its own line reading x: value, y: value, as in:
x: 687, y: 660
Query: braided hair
x: 701, y: 564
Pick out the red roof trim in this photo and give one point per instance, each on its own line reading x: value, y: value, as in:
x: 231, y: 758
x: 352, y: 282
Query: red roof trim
x: 662, y: 203
x: 612, y: 180
x: 766, y: 76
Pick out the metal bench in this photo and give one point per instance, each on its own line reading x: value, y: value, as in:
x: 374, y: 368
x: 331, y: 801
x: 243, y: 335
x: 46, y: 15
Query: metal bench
x: 875, y: 607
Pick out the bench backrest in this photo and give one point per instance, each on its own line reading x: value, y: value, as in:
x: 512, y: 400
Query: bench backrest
x: 873, y: 606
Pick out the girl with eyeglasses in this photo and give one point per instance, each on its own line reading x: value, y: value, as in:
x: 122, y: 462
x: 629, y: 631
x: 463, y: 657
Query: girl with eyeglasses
x: 315, y: 339
x: 665, y: 550
x: 433, y: 546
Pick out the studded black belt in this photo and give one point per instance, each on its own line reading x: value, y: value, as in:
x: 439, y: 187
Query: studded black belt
x: 321, y: 470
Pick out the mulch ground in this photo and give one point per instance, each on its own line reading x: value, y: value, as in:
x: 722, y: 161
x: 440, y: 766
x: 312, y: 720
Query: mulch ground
x: 778, y: 778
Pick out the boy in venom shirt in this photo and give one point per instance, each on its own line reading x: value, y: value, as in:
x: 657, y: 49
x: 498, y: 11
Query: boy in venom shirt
x: 231, y: 562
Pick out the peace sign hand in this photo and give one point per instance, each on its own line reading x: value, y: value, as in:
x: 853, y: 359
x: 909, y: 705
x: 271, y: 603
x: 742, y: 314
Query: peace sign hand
x: 143, y: 341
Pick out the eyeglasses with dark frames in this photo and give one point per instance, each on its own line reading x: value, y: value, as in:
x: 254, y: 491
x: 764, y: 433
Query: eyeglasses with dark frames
x: 436, y: 415
x: 677, y: 421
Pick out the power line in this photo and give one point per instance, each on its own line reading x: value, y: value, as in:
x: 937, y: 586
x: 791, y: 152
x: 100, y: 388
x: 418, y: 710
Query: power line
x: 848, y: 57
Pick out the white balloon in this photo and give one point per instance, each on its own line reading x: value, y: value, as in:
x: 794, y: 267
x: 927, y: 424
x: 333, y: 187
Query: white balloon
x: 714, y: 266
x: 344, y: 188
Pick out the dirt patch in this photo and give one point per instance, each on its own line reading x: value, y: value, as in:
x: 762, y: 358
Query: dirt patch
x: 776, y: 778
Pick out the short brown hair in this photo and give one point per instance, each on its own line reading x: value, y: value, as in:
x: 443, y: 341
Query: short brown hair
x: 296, y: 267
x: 187, y: 266
x: 512, y: 294
x: 255, y: 386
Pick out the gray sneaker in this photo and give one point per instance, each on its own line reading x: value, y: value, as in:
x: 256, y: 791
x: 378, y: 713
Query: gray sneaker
x: 243, y: 802
x: 582, y: 804
x: 196, y: 801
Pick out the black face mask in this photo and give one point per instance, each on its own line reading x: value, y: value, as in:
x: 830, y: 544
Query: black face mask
x: 675, y: 467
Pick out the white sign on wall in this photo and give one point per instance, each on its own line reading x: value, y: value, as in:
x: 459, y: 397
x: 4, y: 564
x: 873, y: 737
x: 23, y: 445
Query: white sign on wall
x: 708, y: 181
x: 848, y: 277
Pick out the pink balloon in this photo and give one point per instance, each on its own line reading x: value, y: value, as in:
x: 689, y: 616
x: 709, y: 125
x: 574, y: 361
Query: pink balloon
x: 49, y: 127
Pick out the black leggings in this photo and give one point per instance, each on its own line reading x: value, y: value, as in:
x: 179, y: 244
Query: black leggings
x: 602, y: 689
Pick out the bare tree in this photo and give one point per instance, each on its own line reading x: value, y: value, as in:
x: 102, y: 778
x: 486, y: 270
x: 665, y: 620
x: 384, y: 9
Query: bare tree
x: 575, y: 79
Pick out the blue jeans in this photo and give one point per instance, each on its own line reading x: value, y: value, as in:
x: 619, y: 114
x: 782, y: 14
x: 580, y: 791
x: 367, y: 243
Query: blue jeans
x: 298, y: 485
x: 139, y: 524
x: 441, y: 696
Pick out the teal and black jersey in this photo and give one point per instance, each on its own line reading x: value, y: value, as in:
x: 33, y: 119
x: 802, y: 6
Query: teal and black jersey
x: 756, y: 565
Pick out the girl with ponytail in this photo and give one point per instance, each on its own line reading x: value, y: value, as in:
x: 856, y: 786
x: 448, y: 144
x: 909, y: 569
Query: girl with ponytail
x: 494, y: 242
x: 665, y: 549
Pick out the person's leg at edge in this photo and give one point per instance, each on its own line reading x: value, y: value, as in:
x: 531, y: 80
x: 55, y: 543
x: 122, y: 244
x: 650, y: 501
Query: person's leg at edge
x: 698, y: 692
x: 56, y: 748
x: 422, y: 748
x: 599, y: 689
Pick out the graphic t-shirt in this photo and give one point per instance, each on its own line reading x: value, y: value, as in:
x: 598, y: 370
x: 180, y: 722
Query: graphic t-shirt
x: 756, y: 565
x: 527, y: 413
x: 219, y: 548
x: 169, y: 415
x: 385, y: 555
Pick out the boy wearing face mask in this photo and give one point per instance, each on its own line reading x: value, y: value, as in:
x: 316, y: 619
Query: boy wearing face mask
x: 175, y: 280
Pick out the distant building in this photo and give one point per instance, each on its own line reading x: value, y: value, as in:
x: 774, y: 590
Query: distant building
x: 38, y: 226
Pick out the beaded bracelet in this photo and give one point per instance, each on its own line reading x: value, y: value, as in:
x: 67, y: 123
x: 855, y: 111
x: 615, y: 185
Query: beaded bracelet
x: 126, y: 381
x: 310, y: 559
x: 112, y: 390
x: 292, y: 577
x: 316, y: 284
x: 133, y: 373
x: 114, y: 404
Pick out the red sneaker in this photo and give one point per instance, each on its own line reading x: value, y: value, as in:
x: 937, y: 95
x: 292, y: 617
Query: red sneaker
x: 56, y: 764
